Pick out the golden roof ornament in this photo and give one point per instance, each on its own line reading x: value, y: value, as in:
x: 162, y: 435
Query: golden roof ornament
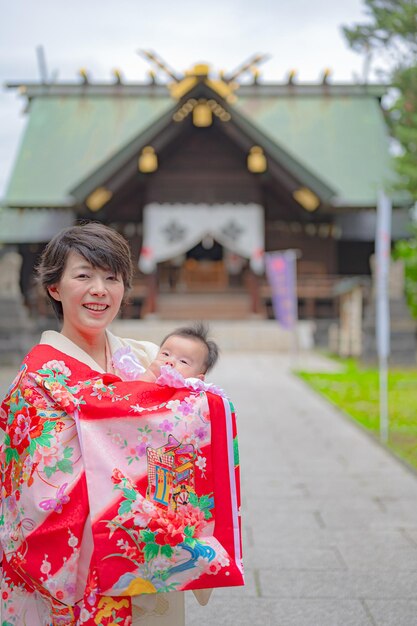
x: 223, y: 84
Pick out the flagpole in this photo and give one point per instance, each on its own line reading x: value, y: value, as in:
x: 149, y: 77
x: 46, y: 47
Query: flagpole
x: 383, y: 399
x: 383, y: 256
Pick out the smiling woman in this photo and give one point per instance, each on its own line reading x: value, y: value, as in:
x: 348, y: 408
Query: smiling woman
x: 91, y: 298
x: 87, y: 271
x: 46, y: 467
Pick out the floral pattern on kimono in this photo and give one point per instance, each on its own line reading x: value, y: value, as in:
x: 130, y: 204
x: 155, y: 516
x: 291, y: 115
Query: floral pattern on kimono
x: 111, y: 489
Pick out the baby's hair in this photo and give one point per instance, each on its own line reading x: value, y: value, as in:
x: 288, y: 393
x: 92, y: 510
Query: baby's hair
x: 199, y: 332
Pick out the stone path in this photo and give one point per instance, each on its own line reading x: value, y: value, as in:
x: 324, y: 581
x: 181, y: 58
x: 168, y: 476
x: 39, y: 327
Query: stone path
x: 329, y: 518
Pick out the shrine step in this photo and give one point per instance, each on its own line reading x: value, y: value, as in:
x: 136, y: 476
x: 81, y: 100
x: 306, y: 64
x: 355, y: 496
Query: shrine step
x: 232, y: 335
x: 208, y: 306
x: 17, y: 331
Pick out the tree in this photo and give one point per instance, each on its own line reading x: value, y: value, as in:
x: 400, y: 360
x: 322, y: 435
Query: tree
x: 406, y: 250
x: 392, y: 29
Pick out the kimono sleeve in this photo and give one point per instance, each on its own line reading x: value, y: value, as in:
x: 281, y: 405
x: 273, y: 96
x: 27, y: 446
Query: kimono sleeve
x: 44, y: 498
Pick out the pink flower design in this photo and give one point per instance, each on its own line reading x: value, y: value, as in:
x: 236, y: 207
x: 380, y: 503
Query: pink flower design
x: 186, y: 407
x: 117, y: 439
x: 144, y: 442
x: 166, y: 426
x: 200, y: 432
x: 201, y: 463
x: 140, y: 449
x: 46, y: 456
x: 143, y: 511
x: 22, y: 429
x: 26, y: 424
x: 60, y: 394
x: 170, y: 525
x: 117, y: 476
x: 57, y: 366
x: 46, y: 565
x: 214, y: 567
x: 73, y: 540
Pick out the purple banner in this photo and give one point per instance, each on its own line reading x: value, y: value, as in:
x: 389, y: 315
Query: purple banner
x: 282, y: 276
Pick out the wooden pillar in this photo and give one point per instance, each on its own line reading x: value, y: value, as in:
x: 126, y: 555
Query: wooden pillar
x: 254, y: 292
x: 151, y: 298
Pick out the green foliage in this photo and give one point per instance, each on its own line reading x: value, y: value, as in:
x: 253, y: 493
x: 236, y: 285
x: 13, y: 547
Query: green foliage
x: 205, y: 503
x: 236, y: 452
x: 189, y: 531
x: 167, y: 551
x: 43, y: 440
x: 391, y: 26
x: 32, y: 448
x: 49, y: 470
x: 68, y: 453
x: 403, y: 123
x: 124, y: 507
x: 151, y: 551
x: 48, y: 426
x: 130, y: 494
x: 11, y: 455
x: 147, y: 536
x: 407, y: 251
x: 355, y: 391
x: 65, y: 466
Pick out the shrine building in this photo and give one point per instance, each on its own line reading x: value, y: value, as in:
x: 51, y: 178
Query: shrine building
x: 202, y: 173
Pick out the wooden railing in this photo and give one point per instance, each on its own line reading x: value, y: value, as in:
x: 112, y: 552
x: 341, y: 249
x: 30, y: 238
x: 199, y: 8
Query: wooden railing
x: 316, y: 293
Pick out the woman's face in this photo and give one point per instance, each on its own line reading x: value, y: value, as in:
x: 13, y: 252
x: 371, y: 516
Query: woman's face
x: 90, y: 297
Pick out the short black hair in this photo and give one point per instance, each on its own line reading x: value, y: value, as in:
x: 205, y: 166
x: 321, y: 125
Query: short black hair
x: 198, y: 331
x: 100, y: 245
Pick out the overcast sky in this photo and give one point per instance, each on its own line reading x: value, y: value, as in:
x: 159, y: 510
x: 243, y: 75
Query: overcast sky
x: 100, y: 35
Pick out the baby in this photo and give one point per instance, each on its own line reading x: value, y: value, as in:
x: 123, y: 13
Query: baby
x: 188, y: 351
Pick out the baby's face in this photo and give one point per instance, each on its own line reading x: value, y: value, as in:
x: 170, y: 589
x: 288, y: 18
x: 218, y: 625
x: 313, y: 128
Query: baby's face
x: 185, y: 354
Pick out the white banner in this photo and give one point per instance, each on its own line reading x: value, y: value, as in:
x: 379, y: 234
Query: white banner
x: 172, y: 229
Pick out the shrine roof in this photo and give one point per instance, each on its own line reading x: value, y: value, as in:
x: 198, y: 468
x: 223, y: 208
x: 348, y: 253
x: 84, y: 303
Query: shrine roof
x: 341, y: 139
x: 66, y: 138
x: 336, y: 132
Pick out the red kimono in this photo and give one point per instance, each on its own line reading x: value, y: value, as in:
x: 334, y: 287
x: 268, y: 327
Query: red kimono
x: 111, y: 489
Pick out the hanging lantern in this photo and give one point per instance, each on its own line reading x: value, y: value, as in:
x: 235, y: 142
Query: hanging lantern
x: 308, y: 200
x: 148, y: 160
x: 98, y: 198
x: 256, y: 162
x: 202, y: 115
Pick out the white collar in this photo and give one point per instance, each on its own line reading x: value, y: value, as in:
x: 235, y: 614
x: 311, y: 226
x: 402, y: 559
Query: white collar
x: 63, y: 344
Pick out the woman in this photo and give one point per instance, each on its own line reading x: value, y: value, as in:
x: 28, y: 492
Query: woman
x: 45, y: 527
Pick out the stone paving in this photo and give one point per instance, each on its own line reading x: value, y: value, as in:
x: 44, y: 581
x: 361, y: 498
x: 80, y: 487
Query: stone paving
x: 329, y: 517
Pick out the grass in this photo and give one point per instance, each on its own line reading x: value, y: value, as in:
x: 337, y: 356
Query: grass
x: 355, y: 391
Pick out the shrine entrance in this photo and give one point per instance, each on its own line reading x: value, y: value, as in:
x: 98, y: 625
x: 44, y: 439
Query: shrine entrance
x: 202, y: 260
